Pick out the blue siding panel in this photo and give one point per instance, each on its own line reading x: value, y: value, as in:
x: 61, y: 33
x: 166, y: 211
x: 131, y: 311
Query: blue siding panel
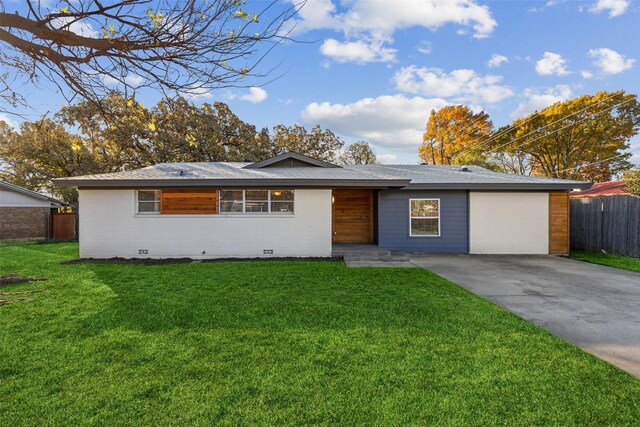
x: 393, y: 221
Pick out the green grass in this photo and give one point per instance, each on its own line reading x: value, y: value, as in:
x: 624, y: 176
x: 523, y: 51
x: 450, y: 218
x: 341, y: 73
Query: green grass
x: 617, y: 261
x: 282, y: 342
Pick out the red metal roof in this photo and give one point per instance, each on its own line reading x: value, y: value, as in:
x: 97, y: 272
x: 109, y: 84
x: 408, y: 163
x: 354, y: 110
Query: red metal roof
x: 598, y: 189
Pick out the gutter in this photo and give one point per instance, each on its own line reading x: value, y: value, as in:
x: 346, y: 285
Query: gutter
x: 402, y: 184
x: 231, y: 183
x: 560, y: 186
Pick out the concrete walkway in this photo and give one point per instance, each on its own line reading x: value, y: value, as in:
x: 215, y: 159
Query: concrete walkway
x: 594, y: 307
x: 368, y: 255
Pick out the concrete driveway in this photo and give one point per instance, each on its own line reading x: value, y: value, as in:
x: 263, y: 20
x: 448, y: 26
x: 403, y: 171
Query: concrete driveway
x: 594, y: 307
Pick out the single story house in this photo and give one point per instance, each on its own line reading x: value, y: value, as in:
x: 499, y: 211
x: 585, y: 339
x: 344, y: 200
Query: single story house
x: 295, y: 206
x: 24, y: 214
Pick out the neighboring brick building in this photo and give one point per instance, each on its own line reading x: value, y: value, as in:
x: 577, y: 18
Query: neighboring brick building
x: 24, y: 214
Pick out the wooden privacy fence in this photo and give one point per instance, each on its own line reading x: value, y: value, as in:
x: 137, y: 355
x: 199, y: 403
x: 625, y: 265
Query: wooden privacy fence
x: 63, y: 226
x: 611, y: 223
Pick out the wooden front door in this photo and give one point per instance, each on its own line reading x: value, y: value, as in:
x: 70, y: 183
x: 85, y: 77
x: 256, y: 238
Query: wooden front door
x: 352, y: 215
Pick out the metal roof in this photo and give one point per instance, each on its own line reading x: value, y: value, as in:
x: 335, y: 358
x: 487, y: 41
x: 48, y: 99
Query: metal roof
x: 291, y: 155
x: 235, y: 174
x: 230, y: 174
x: 27, y: 192
x: 468, y: 177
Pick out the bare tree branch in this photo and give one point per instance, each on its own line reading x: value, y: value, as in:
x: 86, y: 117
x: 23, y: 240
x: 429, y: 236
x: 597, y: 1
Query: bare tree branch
x: 185, y: 47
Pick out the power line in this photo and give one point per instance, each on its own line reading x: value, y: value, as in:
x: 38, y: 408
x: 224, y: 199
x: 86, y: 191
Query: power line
x: 557, y: 130
x: 599, y: 161
x: 536, y: 130
x: 495, y: 136
x: 481, y: 114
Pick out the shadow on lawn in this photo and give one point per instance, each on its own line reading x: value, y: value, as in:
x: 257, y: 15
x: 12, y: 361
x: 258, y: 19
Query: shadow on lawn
x: 280, y: 295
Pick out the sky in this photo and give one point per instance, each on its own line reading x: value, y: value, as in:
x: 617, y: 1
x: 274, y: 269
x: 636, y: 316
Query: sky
x: 374, y: 69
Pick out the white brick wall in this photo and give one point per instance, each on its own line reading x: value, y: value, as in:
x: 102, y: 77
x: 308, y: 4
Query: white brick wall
x: 509, y: 223
x: 109, y: 228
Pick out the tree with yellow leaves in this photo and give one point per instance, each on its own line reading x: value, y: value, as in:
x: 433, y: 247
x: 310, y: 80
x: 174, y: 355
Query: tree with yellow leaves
x: 40, y: 151
x: 451, y: 134
x: 584, y: 138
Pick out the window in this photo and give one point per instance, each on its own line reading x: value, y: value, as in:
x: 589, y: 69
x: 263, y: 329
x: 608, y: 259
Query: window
x: 256, y: 201
x: 281, y: 201
x: 425, y: 217
x: 232, y: 201
x: 148, y: 201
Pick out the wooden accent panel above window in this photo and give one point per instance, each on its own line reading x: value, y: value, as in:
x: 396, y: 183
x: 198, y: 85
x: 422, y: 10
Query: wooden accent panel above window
x: 559, y: 223
x: 181, y: 201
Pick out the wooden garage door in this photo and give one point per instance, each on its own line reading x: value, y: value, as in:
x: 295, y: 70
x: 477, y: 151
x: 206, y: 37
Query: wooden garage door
x: 352, y: 216
x: 559, y: 223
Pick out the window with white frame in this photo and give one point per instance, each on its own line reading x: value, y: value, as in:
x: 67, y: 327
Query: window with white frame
x: 148, y: 201
x: 256, y: 201
x: 424, y: 217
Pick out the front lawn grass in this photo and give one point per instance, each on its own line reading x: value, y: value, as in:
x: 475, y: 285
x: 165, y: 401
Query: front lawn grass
x: 282, y: 342
x: 617, y: 261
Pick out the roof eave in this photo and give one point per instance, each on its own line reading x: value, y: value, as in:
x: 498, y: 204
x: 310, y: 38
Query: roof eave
x: 30, y: 193
x: 563, y: 186
x: 230, y: 183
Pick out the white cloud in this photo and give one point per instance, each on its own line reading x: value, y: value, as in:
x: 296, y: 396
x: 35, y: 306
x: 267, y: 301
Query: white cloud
x: 197, y: 93
x: 586, y: 74
x: 425, y: 47
x: 460, y: 85
x: 497, y: 60
x: 315, y: 15
x: 614, y: 7
x: 384, y: 17
x: 388, y: 121
x: 536, y: 100
x: 609, y: 61
x: 133, y: 79
x: 255, y: 95
x: 369, y: 25
x: 359, y: 52
x: 11, y: 122
x: 386, y: 158
x: 552, y: 64
x: 80, y: 28
x: 130, y: 79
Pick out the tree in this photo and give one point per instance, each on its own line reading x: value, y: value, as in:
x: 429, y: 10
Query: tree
x: 186, y: 47
x: 41, y: 151
x: 174, y: 130
x: 82, y: 139
x: 452, y: 134
x: 584, y: 138
x: 117, y: 131
x: 358, y: 153
x: 317, y: 143
x: 632, y: 180
x: 184, y: 132
x: 512, y: 159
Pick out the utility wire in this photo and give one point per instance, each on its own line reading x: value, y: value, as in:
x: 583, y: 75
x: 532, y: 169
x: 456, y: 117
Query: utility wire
x: 451, y: 138
x: 599, y: 161
x: 493, y: 137
x: 482, y: 143
x: 559, y: 129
